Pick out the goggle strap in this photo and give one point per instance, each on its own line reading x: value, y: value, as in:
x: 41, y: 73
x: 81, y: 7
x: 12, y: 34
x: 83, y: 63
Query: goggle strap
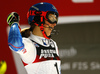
x: 44, y: 34
x: 41, y: 13
x: 41, y: 19
x: 45, y: 18
x: 36, y: 24
x: 41, y: 27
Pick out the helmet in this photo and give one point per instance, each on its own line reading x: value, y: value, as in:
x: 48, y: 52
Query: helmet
x: 40, y: 12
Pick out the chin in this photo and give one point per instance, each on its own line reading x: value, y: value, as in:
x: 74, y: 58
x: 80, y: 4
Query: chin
x: 49, y: 35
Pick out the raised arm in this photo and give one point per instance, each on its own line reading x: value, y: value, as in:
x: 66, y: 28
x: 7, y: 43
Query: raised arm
x: 14, y: 38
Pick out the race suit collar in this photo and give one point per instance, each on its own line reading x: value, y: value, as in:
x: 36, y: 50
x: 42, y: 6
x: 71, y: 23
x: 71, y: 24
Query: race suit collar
x: 38, y: 39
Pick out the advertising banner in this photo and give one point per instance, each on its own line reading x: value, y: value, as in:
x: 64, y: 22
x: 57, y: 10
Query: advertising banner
x: 79, y: 47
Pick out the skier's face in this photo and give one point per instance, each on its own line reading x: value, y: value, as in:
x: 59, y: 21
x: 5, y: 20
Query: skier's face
x: 48, y: 27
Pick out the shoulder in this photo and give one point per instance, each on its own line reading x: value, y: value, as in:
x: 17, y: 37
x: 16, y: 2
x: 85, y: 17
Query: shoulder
x: 53, y: 41
x: 28, y: 44
x: 26, y: 40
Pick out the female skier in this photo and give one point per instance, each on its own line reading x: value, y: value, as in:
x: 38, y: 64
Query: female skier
x: 39, y: 53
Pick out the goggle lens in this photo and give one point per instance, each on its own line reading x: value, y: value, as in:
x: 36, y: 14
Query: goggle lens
x: 52, y: 18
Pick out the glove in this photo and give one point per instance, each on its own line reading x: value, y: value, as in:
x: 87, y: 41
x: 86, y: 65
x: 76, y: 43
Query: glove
x: 12, y: 17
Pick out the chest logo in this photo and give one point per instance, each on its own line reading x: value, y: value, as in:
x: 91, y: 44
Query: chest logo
x: 47, y: 53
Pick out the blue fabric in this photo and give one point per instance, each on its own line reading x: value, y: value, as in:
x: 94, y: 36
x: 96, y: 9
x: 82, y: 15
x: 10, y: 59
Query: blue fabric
x: 44, y: 6
x: 15, y: 38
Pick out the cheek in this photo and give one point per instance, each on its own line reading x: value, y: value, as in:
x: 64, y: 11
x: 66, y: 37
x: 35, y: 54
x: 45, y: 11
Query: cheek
x: 46, y: 29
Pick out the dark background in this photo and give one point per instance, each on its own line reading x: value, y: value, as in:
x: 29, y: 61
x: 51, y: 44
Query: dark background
x: 79, y: 47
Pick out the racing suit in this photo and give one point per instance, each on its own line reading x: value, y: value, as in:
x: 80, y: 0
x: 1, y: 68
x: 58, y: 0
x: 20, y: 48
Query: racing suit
x: 39, y: 55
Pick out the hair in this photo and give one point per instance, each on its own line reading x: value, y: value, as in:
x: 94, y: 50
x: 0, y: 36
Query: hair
x: 26, y: 31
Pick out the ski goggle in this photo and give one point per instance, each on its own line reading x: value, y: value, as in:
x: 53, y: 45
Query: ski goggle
x: 51, y: 17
